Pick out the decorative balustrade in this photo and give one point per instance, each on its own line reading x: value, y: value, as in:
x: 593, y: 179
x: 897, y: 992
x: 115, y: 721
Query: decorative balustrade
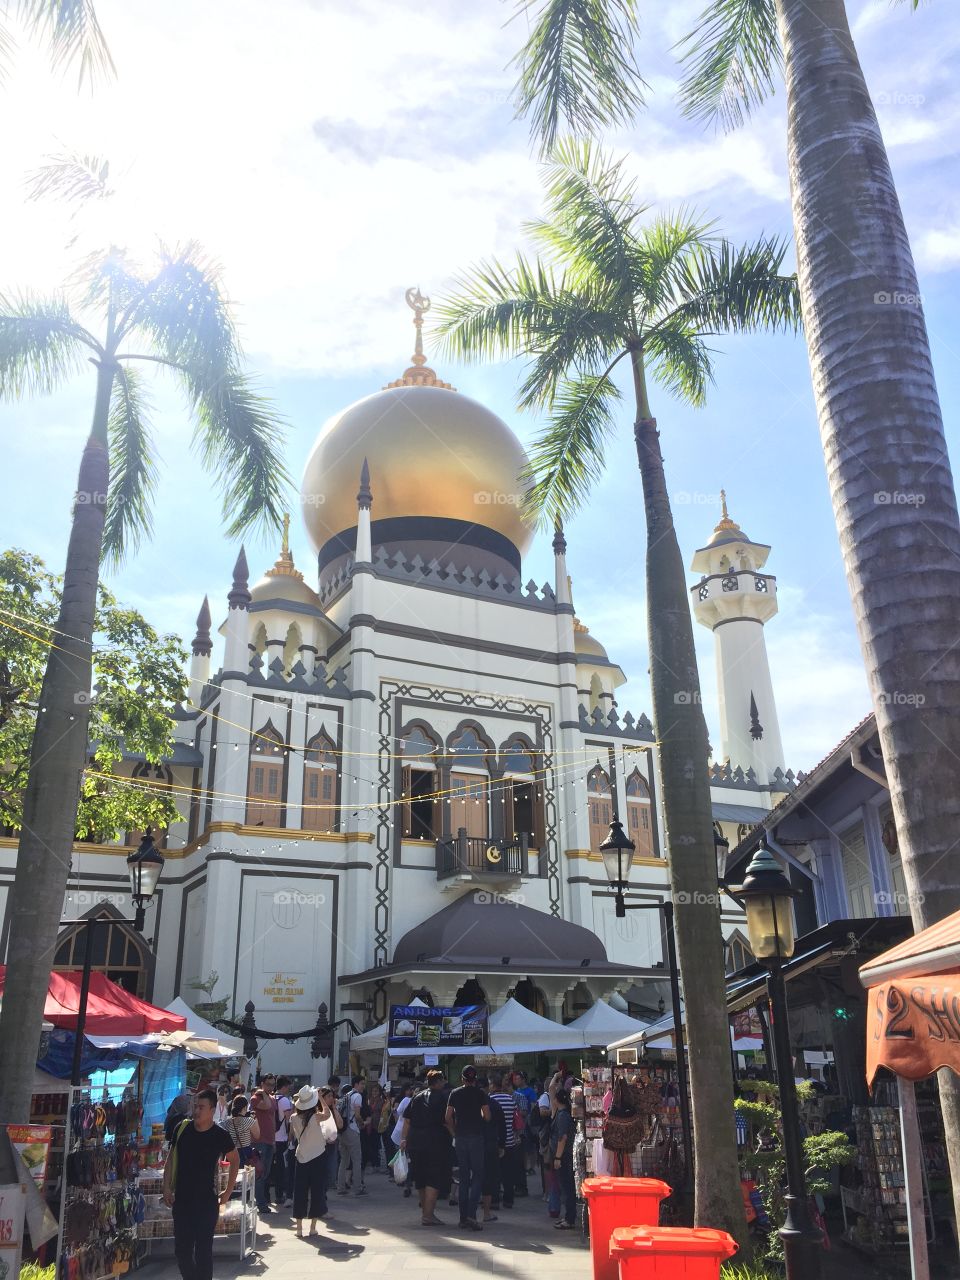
x: 480, y: 856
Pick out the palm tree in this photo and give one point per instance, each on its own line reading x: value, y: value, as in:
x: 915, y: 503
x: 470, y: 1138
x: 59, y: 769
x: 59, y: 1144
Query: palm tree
x: 888, y: 469
x: 177, y: 319
x: 613, y: 289
x: 69, y: 28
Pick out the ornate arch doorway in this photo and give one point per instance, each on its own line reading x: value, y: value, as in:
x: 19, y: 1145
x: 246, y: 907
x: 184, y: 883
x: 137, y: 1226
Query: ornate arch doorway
x: 118, y: 952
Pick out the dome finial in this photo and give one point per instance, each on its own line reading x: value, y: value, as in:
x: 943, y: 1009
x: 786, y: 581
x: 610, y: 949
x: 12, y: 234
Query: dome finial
x: 725, y: 524
x: 364, y: 494
x: 419, y: 374
x: 285, y: 545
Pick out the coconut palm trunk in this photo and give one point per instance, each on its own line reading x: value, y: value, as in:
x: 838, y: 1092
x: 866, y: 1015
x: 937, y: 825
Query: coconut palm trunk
x: 890, y: 480
x: 682, y: 750
x: 57, y: 760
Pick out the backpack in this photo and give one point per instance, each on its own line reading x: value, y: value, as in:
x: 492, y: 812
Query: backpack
x: 345, y: 1109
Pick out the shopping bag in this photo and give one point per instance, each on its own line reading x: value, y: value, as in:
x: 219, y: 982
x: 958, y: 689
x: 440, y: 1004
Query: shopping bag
x: 401, y: 1168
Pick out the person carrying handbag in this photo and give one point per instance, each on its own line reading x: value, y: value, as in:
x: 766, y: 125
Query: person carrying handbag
x: 245, y: 1131
x: 314, y: 1129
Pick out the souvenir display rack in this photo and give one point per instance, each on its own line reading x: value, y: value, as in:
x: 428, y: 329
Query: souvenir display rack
x: 238, y: 1218
x: 657, y: 1153
x: 880, y: 1202
x: 101, y: 1201
x: 50, y: 1109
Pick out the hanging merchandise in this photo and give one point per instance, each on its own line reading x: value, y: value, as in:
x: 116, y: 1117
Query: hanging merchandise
x: 623, y: 1125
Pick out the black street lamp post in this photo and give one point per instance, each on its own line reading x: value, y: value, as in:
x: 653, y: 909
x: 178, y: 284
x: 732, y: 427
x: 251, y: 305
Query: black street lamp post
x: 144, y: 866
x: 765, y: 895
x: 617, y: 852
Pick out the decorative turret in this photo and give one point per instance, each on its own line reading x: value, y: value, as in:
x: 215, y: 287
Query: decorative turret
x: 364, y: 553
x: 202, y: 649
x: 734, y: 599
x: 561, y: 579
x: 239, y: 596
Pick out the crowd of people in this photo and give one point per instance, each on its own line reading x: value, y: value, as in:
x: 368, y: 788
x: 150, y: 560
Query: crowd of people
x: 475, y: 1145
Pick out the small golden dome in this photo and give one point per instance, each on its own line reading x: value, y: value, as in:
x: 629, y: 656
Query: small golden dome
x: 586, y: 645
x: 284, y: 581
x: 432, y: 452
x: 727, y: 530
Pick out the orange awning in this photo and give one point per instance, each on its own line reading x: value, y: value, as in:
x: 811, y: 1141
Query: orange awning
x: 913, y: 1005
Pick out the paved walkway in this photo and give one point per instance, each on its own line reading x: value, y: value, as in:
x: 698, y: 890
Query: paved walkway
x: 379, y: 1234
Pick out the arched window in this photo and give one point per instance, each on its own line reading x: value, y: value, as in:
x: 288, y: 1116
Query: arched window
x: 291, y: 649
x: 468, y: 804
x: 117, y: 952
x: 265, y: 778
x: 531, y: 997
x: 419, y: 784
x: 596, y: 692
x: 738, y: 953
x: 319, y: 785
x: 522, y: 793
x: 260, y: 640
x: 639, y: 817
x: 600, y: 801
x: 153, y: 777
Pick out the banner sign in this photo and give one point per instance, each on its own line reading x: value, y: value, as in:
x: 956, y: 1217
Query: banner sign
x: 913, y: 1026
x: 32, y: 1141
x: 415, y: 1027
x: 12, y: 1201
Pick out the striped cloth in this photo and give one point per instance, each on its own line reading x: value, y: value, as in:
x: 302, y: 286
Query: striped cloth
x: 508, y: 1105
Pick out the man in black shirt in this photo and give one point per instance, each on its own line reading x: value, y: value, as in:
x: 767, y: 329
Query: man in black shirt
x: 468, y: 1109
x: 190, y: 1185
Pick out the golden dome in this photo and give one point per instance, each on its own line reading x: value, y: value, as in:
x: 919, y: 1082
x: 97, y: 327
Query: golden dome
x: 432, y: 452
x: 284, y: 581
x: 587, y: 645
x: 727, y: 530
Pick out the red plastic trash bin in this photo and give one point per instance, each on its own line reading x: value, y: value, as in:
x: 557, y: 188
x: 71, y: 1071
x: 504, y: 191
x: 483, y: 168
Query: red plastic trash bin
x: 619, y: 1202
x: 670, y: 1253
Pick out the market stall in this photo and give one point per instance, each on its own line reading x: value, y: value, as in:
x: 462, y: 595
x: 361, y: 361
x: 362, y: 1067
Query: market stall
x: 913, y: 992
x: 602, y: 1023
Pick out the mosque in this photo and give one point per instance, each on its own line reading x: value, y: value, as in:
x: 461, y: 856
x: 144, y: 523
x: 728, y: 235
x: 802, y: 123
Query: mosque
x: 404, y: 757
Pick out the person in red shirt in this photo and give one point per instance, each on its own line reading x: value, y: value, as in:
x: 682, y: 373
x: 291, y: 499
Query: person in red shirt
x: 263, y: 1106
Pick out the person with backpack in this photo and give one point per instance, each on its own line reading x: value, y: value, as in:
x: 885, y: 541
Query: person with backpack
x: 190, y: 1185
x: 244, y: 1130
x: 425, y: 1138
x: 350, y: 1174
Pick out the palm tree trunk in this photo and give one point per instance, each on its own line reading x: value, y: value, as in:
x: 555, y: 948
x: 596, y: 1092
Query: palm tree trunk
x: 887, y: 465
x: 682, y: 752
x: 57, y: 761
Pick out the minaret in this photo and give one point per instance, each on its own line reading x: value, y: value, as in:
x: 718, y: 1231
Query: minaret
x: 236, y: 656
x: 202, y: 649
x: 364, y: 552
x: 734, y: 599
x: 561, y: 579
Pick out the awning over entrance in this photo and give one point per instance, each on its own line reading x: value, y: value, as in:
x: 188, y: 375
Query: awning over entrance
x: 913, y: 1019
x: 110, y: 1010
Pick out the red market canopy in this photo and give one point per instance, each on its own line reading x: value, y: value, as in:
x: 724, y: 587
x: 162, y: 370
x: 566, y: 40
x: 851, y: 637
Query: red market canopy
x: 110, y: 1009
x: 913, y: 1003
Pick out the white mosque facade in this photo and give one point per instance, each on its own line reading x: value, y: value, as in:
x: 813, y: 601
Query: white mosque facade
x: 397, y: 764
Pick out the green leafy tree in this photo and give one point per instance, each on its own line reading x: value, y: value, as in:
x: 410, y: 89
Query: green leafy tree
x: 822, y: 1152
x: 114, y: 317
x: 69, y: 28
x: 881, y: 426
x: 137, y: 680
x: 611, y: 289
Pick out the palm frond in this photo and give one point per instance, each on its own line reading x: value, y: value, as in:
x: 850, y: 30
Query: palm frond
x: 733, y: 60
x: 40, y: 344
x: 725, y: 289
x: 578, y: 67
x: 106, y: 280
x: 592, y: 204
x: 568, y: 457
x: 239, y: 439
x: 183, y: 312
x: 679, y: 360
x: 133, y: 468
x: 665, y: 245
x: 71, y: 177
x: 73, y: 33
x: 495, y: 310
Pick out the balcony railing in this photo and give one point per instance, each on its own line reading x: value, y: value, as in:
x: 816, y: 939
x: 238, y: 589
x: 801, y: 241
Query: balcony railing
x: 482, y: 856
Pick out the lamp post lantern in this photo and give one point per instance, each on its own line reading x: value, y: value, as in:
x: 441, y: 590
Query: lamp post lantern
x: 766, y: 895
x: 144, y: 865
x: 617, y: 852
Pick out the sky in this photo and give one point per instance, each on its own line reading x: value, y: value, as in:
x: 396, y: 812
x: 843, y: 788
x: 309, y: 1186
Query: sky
x: 329, y: 155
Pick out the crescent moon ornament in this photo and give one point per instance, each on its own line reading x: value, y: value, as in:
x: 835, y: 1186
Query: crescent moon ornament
x: 494, y: 854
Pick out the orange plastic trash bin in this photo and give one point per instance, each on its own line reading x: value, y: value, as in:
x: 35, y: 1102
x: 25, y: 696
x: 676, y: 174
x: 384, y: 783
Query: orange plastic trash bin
x: 670, y: 1253
x: 619, y: 1202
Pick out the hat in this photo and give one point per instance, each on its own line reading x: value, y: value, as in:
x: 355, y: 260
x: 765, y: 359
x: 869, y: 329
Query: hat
x: 468, y: 1073
x: 306, y: 1098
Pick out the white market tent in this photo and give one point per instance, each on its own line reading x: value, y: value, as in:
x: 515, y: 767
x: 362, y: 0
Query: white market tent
x: 206, y: 1038
x: 516, y: 1029
x: 602, y: 1023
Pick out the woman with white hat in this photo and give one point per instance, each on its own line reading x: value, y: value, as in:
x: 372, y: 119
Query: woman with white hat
x: 314, y: 1129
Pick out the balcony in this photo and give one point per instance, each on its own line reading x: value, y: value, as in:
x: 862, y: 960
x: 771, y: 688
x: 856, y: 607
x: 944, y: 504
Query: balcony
x: 483, y: 860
